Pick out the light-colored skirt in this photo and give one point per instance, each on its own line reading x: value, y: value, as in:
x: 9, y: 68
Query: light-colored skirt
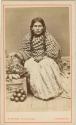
x: 45, y: 78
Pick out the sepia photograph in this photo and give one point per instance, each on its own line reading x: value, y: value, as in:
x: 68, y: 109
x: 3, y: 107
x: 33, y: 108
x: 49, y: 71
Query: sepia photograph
x: 38, y: 60
x: 41, y: 60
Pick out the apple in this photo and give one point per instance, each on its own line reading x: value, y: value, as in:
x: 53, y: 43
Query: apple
x: 16, y: 99
x: 14, y: 94
x: 22, y: 98
x: 12, y: 98
x: 19, y: 94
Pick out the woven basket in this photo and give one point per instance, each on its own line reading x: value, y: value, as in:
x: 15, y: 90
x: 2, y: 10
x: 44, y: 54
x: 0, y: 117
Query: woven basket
x: 11, y: 86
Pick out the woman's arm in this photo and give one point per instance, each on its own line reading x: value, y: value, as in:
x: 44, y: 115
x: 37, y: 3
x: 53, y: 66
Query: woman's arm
x: 52, y: 46
x: 24, y: 52
x: 53, y: 50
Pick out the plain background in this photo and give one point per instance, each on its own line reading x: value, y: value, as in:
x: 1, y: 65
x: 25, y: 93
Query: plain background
x: 17, y: 24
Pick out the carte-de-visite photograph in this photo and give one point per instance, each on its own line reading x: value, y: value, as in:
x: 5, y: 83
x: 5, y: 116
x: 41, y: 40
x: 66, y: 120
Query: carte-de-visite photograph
x: 37, y: 54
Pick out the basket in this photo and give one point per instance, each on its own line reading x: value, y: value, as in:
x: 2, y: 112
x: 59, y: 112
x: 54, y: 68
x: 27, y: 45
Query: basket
x: 12, y: 85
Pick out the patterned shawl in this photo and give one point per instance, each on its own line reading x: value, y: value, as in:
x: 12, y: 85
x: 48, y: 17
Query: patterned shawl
x: 39, y: 47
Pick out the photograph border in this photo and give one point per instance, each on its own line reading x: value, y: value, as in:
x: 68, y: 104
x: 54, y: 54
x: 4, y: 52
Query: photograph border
x: 21, y: 4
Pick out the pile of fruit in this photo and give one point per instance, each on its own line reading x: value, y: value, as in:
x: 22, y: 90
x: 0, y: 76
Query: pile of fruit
x: 15, y: 68
x: 19, y: 95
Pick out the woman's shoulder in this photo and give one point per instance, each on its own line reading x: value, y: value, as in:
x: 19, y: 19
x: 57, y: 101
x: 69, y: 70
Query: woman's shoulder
x: 51, y: 39
x: 49, y: 36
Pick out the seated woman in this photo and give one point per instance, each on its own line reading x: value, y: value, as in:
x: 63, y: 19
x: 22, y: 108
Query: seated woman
x: 41, y: 56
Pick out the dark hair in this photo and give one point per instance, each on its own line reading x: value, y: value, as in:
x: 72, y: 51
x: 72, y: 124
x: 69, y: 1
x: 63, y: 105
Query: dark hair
x: 38, y: 19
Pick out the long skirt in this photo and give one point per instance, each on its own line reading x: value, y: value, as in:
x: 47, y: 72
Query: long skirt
x: 45, y: 78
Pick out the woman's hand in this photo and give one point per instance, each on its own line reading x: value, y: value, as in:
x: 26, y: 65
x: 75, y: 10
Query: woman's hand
x: 38, y: 59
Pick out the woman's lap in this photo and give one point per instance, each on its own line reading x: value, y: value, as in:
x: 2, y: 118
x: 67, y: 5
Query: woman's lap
x: 44, y: 81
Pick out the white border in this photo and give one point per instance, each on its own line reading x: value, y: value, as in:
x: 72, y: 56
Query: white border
x: 46, y: 115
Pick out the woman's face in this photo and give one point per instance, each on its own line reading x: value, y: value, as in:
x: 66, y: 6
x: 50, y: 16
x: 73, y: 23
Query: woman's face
x: 37, y: 28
